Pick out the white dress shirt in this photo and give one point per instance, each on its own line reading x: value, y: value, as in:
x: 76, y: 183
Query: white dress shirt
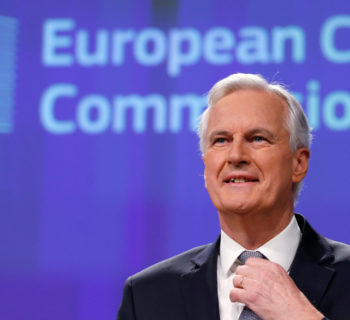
x: 280, y: 249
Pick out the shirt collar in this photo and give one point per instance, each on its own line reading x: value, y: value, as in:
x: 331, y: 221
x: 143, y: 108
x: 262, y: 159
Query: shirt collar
x: 280, y: 249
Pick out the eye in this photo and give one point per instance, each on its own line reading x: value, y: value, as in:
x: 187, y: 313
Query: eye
x: 259, y: 139
x: 219, y: 140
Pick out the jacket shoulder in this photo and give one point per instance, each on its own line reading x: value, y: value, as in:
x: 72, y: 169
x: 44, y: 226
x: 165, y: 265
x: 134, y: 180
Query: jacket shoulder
x: 156, y: 292
x: 341, y: 251
x: 174, y: 266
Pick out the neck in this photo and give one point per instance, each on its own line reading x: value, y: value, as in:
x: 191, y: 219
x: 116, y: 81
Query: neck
x: 252, y: 230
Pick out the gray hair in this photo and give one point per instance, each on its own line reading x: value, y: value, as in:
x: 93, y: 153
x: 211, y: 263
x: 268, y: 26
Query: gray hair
x: 296, y: 122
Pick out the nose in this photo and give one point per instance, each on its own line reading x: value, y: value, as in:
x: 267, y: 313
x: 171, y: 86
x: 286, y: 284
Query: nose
x: 238, y: 153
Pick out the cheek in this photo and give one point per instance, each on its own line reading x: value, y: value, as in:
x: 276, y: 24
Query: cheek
x: 281, y: 171
x: 211, y: 176
x: 210, y: 167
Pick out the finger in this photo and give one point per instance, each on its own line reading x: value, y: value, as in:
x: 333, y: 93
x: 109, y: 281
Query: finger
x: 257, y: 268
x: 246, y: 270
x: 260, y: 269
x: 238, y: 281
x: 255, y: 263
x: 243, y: 282
x: 252, y: 261
x: 238, y: 295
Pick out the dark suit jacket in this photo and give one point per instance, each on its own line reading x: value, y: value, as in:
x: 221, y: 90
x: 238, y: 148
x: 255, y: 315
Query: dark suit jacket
x: 185, y: 286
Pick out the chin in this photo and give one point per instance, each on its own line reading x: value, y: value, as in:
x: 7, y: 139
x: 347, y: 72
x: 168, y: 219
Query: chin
x: 237, y: 209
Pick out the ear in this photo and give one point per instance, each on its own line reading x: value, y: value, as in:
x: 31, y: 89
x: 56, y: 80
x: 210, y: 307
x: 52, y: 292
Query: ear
x: 300, y: 164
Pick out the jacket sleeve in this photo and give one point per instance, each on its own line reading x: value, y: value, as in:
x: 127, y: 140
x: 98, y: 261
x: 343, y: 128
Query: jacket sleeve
x: 127, y: 308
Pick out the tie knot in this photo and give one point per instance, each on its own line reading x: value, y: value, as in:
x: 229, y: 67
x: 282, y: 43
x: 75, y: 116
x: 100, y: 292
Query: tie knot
x: 243, y: 257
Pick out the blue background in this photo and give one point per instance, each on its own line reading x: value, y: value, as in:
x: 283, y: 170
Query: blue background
x: 82, y: 211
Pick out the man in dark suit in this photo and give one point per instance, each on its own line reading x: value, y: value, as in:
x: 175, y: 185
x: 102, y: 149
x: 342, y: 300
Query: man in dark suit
x: 268, y: 262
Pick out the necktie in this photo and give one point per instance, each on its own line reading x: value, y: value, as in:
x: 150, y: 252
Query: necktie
x: 248, y: 314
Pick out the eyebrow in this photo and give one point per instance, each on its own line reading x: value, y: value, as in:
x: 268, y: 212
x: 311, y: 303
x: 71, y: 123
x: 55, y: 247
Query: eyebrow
x: 218, y: 133
x: 262, y: 131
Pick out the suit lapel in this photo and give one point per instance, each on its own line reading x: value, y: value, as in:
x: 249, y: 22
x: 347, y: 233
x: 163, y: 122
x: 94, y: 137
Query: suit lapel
x: 310, y: 270
x: 199, y: 285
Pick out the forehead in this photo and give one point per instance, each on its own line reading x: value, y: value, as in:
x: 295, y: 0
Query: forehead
x: 249, y: 108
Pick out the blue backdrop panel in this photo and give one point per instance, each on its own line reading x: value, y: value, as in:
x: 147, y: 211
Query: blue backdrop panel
x: 101, y: 173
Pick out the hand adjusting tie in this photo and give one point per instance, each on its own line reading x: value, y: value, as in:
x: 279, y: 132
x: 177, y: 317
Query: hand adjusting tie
x: 248, y: 314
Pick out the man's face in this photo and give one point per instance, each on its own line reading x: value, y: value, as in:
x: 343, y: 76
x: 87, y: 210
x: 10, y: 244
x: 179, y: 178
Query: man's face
x: 248, y: 163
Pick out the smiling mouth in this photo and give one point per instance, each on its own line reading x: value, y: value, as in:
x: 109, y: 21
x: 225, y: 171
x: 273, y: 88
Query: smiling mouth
x: 240, y: 180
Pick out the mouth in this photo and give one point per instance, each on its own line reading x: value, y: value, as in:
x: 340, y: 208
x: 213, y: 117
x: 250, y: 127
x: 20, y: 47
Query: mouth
x: 240, y: 180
